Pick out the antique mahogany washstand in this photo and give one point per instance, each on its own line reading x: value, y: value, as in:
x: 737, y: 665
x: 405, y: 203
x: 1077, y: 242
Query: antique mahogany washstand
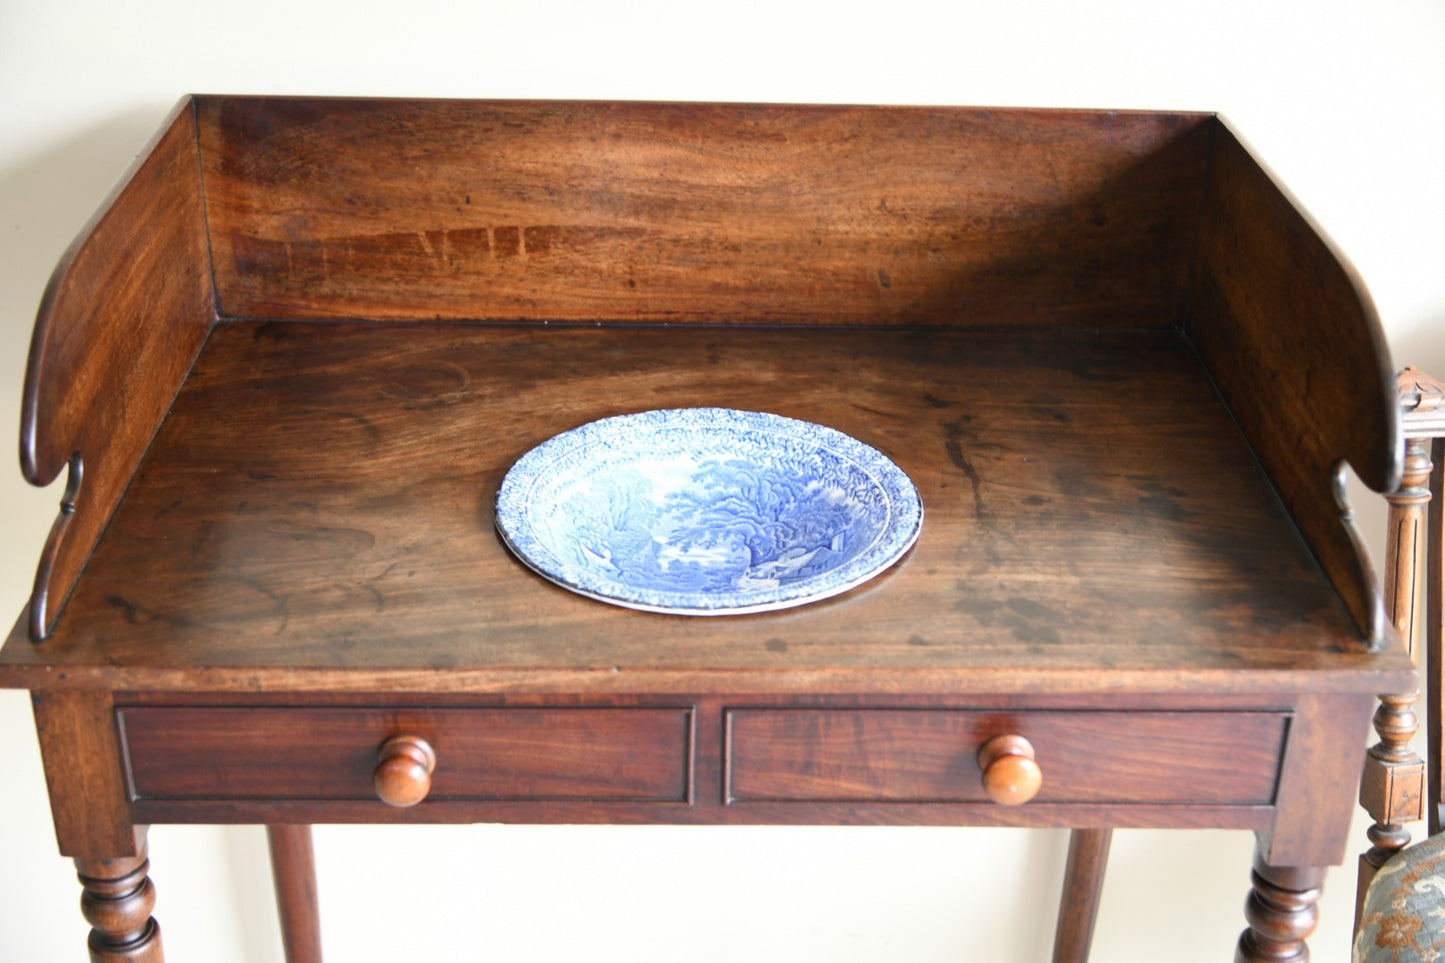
x: 289, y: 362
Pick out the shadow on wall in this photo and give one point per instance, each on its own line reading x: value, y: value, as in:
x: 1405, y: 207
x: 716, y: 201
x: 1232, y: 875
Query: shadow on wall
x: 46, y: 198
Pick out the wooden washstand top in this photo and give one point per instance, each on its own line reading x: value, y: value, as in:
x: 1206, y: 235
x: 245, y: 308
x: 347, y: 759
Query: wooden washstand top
x: 1119, y: 363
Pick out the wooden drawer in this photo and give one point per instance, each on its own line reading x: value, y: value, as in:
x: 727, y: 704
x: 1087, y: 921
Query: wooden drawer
x: 907, y: 755
x: 259, y: 753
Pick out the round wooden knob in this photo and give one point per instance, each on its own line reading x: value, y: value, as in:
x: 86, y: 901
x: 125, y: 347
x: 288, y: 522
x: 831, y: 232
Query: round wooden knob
x: 1011, y: 776
x: 403, y: 770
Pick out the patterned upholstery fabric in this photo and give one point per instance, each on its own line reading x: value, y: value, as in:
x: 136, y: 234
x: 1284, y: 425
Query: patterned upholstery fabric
x: 1404, y: 916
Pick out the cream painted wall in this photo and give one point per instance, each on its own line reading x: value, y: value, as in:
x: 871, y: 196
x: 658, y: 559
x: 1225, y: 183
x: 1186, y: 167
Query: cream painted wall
x: 1346, y: 100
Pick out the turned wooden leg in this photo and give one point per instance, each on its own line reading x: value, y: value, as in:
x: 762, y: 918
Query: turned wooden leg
x: 1282, y: 913
x: 1392, y: 785
x: 1435, y: 636
x: 1083, y: 882
x: 117, y: 901
x: 293, y: 870
x: 1392, y: 788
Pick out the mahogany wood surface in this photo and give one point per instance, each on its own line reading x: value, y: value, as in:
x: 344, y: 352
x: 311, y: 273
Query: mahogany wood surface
x: 1322, y: 756
x: 628, y: 763
x: 83, y: 773
x: 1083, y: 886
x: 1089, y: 502
x: 518, y: 753
x: 293, y: 871
x: 1011, y: 774
x: 404, y: 766
x: 119, y: 325
x: 1258, y: 818
x: 1311, y: 393
x: 422, y: 210
x: 923, y: 755
x: 116, y: 900
x: 1282, y: 910
x: 1120, y: 364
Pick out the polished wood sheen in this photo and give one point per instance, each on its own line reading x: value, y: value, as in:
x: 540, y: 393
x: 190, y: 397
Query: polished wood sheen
x: 1397, y: 786
x: 1083, y: 887
x: 711, y: 212
x: 399, y: 753
x: 84, y: 773
x: 359, y: 543
x: 117, y: 900
x: 119, y: 325
x: 1310, y: 396
x: 934, y: 755
x: 1011, y: 775
x: 1282, y: 911
x: 404, y: 766
x: 293, y: 870
x: 309, y: 337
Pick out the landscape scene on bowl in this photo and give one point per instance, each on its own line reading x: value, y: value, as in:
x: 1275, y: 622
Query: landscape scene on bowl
x: 747, y: 518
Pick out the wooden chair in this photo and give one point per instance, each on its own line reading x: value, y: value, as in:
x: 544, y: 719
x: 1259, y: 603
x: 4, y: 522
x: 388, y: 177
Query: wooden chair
x: 1400, y: 901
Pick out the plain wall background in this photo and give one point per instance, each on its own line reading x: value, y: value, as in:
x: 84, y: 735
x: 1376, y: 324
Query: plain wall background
x: 1345, y: 99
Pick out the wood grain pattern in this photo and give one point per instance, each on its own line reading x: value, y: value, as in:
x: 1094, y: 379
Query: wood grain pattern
x: 417, y: 210
x: 282, y: 753
x: 293, y: 872
x: 239, y: 794
x: 1291, y: 338
x: 1089, y: 502
x: 83, y: 774
x: 1282, y: 910
x: 612, y: 813
x: 121, y: 321
x: 929, y: 755
x: 1322, y: 756
x: 1120, y: 364
x: 707, y: 803
x: 117, y: 898
x: 1083, y: 886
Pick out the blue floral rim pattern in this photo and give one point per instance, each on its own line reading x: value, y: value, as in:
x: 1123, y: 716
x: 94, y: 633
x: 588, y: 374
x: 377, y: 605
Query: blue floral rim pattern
x: 707, y: 511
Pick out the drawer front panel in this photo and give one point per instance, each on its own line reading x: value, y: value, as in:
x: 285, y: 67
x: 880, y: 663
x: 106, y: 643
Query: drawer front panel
x: 907, y: 755
x: 635, y: 754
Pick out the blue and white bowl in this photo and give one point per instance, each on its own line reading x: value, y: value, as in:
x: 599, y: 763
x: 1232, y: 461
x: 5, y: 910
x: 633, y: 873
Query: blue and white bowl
x: 707, y: 511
